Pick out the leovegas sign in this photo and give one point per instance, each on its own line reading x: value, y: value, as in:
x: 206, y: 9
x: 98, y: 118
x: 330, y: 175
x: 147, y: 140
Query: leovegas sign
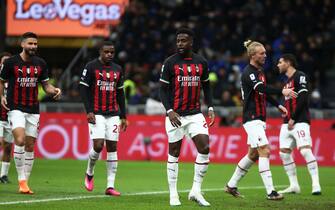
x: 77, y: 18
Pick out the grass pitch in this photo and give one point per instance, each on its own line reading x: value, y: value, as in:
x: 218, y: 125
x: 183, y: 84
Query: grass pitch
x: 58, y: 184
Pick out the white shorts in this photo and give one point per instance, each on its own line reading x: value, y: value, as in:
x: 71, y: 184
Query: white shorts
x: 6, y: 132
x: 299, y: 136
x: 256, y: 133
x: 191, y: 126
x: 19, y: 119
x: 107, y: 128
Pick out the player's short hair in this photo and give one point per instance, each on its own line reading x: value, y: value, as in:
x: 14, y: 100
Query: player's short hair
x: 3, y: 54
x: 291, y: 59
x: 185, y: 31
x: 251, y: 45
x: 28, y: 35
x: 105, y: 43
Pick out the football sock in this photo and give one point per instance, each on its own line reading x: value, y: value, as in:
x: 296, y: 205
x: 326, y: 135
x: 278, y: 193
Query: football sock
x: 312, y: 165
x: 289, y: 167
x: 264, y: 171
x: 200, y: 170
x: 241, y: 169
x: 111, y: 168
x: 92, y: 158
x: 19, y: 162
x: 4, y: 168
x: 172, y: 174
x: 28, y: 163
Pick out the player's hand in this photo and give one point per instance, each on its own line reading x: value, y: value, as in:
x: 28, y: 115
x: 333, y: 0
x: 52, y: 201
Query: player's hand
x: 57, y: 93
x: 4, y: 102
x: 174, y: 119
x: 123, y: 124
x: 211, y: 116
x: 283, y: 110
x: 289, y: 92
x: 91, y: 118
x: 290, y: 125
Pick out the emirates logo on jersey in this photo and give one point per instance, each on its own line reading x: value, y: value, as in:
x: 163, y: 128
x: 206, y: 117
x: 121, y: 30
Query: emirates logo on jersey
x: 27, y: 81
x: 106, y: 85
x: 190, y: 81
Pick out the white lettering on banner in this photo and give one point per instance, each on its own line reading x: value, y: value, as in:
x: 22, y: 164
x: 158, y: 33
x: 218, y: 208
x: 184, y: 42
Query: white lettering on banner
x: 65, y: 137
x: 316, y: 150
x: 273, y: 142
x: 87, y: 13
x: 157, y: 140
x: 213, y: 139
x: 75, y: 139
x: 137, y: 145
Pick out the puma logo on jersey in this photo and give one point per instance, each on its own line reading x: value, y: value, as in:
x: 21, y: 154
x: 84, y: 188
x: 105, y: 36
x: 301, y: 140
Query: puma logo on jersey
x: 101, y: 74
x: 20, y: 70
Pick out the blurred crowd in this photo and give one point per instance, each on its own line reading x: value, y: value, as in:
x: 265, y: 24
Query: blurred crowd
x: 146, y: 36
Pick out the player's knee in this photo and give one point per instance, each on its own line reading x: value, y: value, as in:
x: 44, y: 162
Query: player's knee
x: 111, y: 146
x: 264, y: 152
x: 307, y: 154
x: 285, y: 150
x: 253, y: 156
x: 20, y: 141
x: 204, y: 150
x: 175, y: 152
x: 7, y: 148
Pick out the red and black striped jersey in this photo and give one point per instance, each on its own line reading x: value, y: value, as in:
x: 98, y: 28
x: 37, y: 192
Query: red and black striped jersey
x: 184, y: 77
x: 103, y: 82
x: 3, y: 111
x: 23, y: 77
x: 254, y: 102
x: 299, y: 82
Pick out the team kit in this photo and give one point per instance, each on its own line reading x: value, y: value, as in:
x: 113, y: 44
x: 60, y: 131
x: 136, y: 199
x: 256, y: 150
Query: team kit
x: 184, y: 77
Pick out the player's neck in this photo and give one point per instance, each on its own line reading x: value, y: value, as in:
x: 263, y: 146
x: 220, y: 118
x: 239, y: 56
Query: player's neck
x: 25, y: 56
x: 255, y: 64
x: 103, y: 62
x: 290, y: 71
x: 187, y: 54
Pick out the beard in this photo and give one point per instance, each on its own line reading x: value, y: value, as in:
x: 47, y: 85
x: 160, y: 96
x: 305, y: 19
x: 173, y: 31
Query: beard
x: 30, y: 52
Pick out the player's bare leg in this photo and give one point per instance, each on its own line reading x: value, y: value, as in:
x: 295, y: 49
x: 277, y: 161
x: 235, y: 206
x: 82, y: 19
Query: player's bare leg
x: 291, y: 171
x: 172, y: 171
x: 201, y: 142
x: 312, y: 166
x: 93, y: 156
x: 111, y: 163
x: 19, y: 140
x: 7, y: 151
x: 29, y: 155
x: 264, y: 171
x: 241, y: 170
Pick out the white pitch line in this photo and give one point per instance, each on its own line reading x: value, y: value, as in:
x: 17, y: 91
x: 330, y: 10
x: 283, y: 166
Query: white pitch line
x: 125, y: 194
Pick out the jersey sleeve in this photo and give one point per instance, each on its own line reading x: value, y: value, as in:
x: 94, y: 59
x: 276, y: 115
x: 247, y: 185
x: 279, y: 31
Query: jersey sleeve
x: 301, y: 83
x: 165, y: 73
x: 251, y: 79
x: 119, y: 84
x: 85, y: 78
x: 5, y: 70
x: 205, y: 73
x: 44, y: 76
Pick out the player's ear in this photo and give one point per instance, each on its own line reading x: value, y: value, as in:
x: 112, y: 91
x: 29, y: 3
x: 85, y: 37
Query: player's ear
x: 22, y: 43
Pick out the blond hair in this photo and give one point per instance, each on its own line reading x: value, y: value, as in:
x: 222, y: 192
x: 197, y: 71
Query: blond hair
x: 251, y: 46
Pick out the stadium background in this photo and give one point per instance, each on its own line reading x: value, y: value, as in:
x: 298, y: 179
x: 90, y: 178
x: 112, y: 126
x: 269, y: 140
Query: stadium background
x: 144, y: 33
